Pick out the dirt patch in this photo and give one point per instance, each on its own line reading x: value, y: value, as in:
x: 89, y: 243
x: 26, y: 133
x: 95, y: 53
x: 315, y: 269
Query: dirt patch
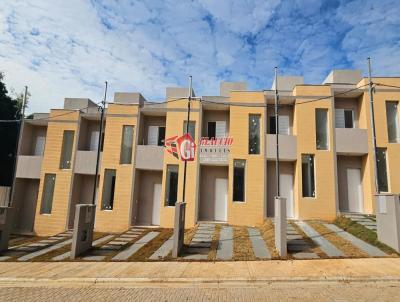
x: 313, y: 247
x: 363, y: 233
x: 267, y: 230
x: 242, y: 248
x: 342, y: 244
x: 212, y: 255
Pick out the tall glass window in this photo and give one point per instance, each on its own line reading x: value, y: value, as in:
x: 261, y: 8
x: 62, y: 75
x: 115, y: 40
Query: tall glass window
x: 171, y: 194
x: 239, y: 170
x: 392, y: 119
x: 321, y: 129
x: 382, y: 170
x: 254, y: 134
x: 66, y: 150
x: 48, y: 192
x: 192, y: 128
x: 107, y: 202
x: 308, y: 177
x: 126, y: 145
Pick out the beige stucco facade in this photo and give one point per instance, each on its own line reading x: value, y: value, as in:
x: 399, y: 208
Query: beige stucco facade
x: 136, y: 182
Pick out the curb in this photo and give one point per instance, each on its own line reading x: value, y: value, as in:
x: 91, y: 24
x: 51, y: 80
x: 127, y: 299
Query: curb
x: 150, y: 281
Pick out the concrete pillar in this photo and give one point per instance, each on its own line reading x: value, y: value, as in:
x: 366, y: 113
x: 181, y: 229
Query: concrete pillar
x: 82, y: 237
x: 179, y: 228
x: 280, y: 226
x: 5, y: 227
x: 388, y: 220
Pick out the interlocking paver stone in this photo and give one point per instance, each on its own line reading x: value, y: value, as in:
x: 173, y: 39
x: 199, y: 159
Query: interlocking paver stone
x: 131, y: 250
x: 45, y: 250
x: 96, y: 242
x: 362, y: 245
x: 225, y: 244
x: 163, y: 250
x: 259, y: 247
x: 327, y: 247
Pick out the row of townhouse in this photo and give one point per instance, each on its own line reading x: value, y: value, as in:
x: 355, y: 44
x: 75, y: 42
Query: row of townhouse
x: 327, y: 162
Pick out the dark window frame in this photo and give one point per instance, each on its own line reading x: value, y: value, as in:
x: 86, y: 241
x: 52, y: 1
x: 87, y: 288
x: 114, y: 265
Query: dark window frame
x: 66, y: 154
x: 308, y: 190
x: 171, y: 196
x: 47, y: 206
x: 254, y: 135
x: 239, y: 181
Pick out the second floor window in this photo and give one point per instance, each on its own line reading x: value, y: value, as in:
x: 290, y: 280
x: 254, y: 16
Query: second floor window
x: 284, y: 127
x: 66, y: 150
x: 156, y: 135
x: 192, y: 128
x: 126, y: 145
x: 254, y: 134
x: 392, y: 118
x: 321, y: 129
x: 344, y: 118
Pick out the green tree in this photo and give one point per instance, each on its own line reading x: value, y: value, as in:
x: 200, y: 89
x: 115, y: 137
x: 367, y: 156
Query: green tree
x: 10, y: 109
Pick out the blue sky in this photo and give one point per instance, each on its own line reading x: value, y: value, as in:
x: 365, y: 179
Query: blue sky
x: 69, y: 48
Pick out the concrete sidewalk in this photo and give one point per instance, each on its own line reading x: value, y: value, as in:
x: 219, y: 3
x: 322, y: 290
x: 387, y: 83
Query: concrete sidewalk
x: 367, y: 269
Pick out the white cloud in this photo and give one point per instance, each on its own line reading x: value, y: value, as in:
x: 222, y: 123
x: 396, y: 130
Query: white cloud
x: 69, y: 48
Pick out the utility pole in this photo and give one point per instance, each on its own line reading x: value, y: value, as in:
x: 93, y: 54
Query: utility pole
x: 102, y: 109
x: 371, y: 105
x: 187, y: 131
x: 19, y: 131
x: 278, y: 187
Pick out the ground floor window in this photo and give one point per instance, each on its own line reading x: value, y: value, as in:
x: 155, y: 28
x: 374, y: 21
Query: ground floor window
x: 239, y: 167
x: 48, y: 192
x: 382, y: 170
x: 308, y: 177
x: 107, y: 202
x: 171, y: 195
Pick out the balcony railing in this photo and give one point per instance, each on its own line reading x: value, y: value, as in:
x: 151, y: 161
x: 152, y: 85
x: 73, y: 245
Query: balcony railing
x: 351, y: 141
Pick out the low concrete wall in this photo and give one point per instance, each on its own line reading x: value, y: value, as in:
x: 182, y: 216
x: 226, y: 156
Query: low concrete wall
x: 149, y: 157
x: 287, y: 147
x: 82, y: 238
x: 280, y: 226
x: 351, y: 141
x: 29, y: 166
x: 388, y: 220
x: 85, y: 162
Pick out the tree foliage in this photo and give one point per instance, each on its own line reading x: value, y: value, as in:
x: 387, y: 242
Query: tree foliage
x: 10, y: 109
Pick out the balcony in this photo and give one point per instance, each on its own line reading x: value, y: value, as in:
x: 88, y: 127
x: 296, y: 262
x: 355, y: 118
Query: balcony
x: 29, y: 166
x: 85, y: 162
x: 287, y: 147
x: 351, y: 141
x: 150, y: 157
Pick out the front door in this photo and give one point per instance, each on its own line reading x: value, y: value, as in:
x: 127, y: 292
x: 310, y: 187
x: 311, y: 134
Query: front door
x: 156, y: 204
x: 221, y: 199
x: 354, y: 189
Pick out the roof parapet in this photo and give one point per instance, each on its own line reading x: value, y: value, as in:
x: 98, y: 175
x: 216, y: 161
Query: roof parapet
x: 129, y: 98
x: 83, y: 104
x: 226, y: 87
x: 343, y: 76
x: 177, y: 92
x: 287, y: 83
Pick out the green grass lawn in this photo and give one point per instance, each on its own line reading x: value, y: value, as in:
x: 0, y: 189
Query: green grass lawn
x: 363, y: 233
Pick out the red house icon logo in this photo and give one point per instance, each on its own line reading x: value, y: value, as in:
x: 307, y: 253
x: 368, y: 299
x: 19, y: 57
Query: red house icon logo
x: 183, y: 148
